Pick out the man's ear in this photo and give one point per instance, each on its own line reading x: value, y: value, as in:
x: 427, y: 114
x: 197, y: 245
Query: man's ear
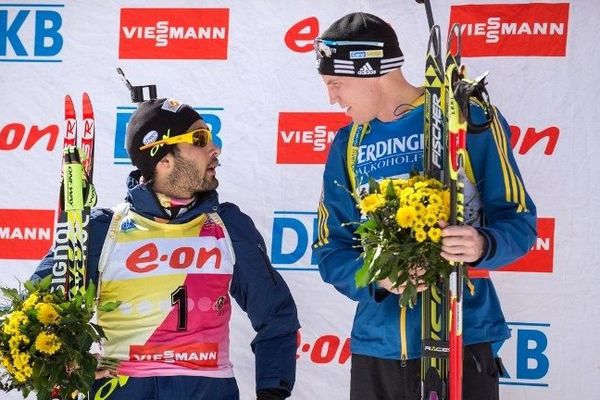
x: 165, y: 164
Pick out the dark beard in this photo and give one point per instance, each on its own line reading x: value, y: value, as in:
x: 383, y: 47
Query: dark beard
x: 186, y: 178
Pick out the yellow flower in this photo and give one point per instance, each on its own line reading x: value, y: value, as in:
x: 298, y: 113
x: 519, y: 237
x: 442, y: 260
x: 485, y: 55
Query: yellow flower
x: 48, y: 298
x: 435, y: 234
x: 47, y: 314
x: 431, y: 219
x: 420, y: 236
x: 446, y: 199
x: 421, y: 185
x: 47, y: 343
x: 405, y: 216
x: 420, y: 210
x: 419, y: 224
x: 371, y: 203
x: 435, y: 199
x: 31, y: 301
x: 443, y: 216
x: 14, y: 321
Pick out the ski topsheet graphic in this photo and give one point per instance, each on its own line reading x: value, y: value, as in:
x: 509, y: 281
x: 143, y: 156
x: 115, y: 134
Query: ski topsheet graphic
x: 77, y: 196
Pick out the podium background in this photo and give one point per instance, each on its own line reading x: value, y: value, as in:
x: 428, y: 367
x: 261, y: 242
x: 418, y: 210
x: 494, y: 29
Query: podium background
x: 255, y: 81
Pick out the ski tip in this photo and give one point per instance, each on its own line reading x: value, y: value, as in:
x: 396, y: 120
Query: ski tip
x: 88, y: 111
x: 69, y: 107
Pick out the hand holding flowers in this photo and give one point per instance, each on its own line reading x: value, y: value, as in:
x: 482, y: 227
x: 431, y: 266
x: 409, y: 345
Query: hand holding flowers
x: 45, y: 340
x: 401, y: 237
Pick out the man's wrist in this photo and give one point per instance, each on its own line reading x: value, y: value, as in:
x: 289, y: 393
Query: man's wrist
x: 272, y: 394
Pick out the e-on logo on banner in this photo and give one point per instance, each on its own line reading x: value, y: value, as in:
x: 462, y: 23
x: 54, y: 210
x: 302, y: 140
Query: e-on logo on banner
x: 525, y: 356
x: 30, y: 32
x: 209, y: 114
x: 305, y: 137
x: 174, y: 33
x: 535, y: 29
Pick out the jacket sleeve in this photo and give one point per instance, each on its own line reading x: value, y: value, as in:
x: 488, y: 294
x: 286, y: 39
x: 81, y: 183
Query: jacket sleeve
x: 509, y: 212
x: 99, y: 222
x: 336, y: 248
x: 263, y: 294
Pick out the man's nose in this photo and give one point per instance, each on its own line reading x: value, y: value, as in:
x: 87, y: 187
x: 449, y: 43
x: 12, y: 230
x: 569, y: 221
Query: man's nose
x: 333, y: 98
x: 213, y: 149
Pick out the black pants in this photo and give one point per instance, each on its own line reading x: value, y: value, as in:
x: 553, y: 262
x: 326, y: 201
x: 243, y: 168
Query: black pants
x: 380, y: 379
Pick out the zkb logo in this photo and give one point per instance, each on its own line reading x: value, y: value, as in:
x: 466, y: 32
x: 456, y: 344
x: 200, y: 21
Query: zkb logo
x: 30, y: 33
x: 525, y: 355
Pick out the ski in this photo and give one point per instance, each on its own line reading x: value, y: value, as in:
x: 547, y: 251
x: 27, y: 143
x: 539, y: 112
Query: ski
x: 76, y: 197
x: 456, y: 134
x: 441, y: 329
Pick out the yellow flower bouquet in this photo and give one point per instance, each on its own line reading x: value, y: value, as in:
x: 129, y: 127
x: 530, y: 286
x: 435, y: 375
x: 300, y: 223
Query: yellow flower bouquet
x: 45, y: 340
x: 401, y: 238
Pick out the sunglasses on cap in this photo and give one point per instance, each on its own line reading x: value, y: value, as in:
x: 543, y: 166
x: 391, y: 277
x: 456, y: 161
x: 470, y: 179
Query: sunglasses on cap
x: 198, y: 137
x: 326, y: 48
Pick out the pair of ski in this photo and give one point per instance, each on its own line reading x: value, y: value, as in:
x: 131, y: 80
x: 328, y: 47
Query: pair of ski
x: 77, y: 196
x: 444, y: 159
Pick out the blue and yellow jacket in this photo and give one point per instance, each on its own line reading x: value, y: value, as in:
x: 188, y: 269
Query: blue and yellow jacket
x: 256, y: 286
x: 496, y: 203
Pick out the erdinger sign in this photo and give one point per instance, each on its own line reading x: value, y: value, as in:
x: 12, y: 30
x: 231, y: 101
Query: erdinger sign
x: 537, y: 29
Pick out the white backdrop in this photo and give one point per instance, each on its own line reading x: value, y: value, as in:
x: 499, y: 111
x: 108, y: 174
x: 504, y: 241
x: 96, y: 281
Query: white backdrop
x: 251, y: 79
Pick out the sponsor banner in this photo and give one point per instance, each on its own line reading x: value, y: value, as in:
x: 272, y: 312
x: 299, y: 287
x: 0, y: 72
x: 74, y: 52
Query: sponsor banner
x: 301, y: 36
x: 292, y: 237
x: 174, y: 33
x: 325, y: 349
x: 31, y: 32
x: 305, y: 137
x: 189, y: 356
x: 541, y: 256
x: 531, y: 29
x: 211, y: 116
x: 25, y: 234
x: 18, y: 136
x: 523, y: 140
x: 525, y: 355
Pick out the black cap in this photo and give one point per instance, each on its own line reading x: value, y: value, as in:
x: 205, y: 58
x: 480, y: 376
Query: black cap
x: 358, y: 44
x: 152, y: 121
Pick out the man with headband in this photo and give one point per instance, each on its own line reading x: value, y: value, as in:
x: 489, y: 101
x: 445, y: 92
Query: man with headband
x: 359, y: 60
x: 175, y: 257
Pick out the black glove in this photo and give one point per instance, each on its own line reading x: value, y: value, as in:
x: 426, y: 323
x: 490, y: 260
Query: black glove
x: 272, y: 394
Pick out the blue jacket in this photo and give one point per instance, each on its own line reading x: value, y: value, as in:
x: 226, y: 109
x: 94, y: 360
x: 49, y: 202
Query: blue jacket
x: 256, y: 285
x: 499, y: 206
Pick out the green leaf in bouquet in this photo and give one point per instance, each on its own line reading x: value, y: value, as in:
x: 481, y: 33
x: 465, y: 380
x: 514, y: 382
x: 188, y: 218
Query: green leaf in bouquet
x: 90, y: 295
x: 390, y: 192
x: 11, y: 294
x: 45, y: 283
x: 373, y: 186
x: 362, y: 277
x: 29, y: 286
x: 409, y: 295
x: 109, y: 306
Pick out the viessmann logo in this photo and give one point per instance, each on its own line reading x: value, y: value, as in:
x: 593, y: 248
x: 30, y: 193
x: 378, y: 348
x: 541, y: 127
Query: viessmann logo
x: 174, y: 33
x: 305, y: 137
x: 25, y: 234
x: 537, y: 29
